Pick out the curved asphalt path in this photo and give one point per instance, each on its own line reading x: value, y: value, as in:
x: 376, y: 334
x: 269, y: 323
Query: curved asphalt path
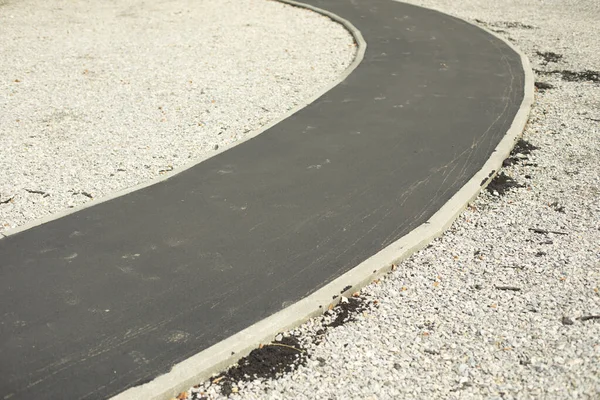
x: 113, y: 295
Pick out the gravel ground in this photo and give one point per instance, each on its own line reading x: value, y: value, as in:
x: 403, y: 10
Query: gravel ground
x: 89, y: 106
x: 499, y: 307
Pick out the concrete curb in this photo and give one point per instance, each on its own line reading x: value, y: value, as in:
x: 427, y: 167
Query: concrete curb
x: 219, y: 356
x: 360, y: 52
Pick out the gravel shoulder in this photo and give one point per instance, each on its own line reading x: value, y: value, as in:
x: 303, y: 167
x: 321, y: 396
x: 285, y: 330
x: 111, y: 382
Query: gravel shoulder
x: 506, y: 304
x: 90, y: 106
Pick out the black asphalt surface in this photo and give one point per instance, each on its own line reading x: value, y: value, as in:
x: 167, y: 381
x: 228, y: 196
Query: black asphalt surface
x: 112, y: 296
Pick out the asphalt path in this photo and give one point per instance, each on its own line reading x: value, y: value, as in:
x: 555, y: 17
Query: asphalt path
x: 113, y: 295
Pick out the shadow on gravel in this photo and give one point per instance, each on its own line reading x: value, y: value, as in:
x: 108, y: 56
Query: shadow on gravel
x: 574, y: 76
x: 267, y: 362
x: 549, y: 56
x: 541, y: 86
x: 523, y: 148
x: 346, y: 310
x: 502, y: 183
x: 270, y: 361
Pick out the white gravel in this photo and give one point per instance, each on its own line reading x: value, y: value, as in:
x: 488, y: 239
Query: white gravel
x: 98, y: 96
x: 442, y: 328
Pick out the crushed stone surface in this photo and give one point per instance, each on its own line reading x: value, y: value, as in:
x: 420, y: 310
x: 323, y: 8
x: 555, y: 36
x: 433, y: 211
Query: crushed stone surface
x: 93, y: 105
x: 505, y: 304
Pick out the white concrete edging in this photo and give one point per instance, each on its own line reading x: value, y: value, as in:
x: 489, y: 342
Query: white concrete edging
x: 219, y: 356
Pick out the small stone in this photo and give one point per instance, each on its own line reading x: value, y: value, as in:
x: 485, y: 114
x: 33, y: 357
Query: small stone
x: 567, y: 321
